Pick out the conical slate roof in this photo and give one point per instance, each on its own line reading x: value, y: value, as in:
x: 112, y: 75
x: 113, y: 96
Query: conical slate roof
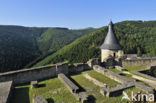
x: 111, y: 42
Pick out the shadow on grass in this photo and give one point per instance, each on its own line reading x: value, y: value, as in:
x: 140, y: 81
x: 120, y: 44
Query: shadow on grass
x: 41, y: 85
x: 91, y: 99
x: 50, y: 100
x: 81, y: 88
x: 20, y: 95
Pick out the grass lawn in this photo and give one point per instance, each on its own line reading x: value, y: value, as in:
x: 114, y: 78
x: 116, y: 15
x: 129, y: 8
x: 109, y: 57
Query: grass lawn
x: 94, y: 91
x: 53, y: 90
x: 134, y: 68
x: 102, y: 78
x: 114, y: 70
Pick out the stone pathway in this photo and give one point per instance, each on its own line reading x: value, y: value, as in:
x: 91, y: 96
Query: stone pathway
x: 152, y: 83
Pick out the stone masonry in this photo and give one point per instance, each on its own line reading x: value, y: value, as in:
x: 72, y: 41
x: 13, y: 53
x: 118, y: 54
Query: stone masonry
x: 70, y: 85
x: 125, y: 83
x: 109, y: 92
x: 39, y: 99
x: 80, y: 96
x: 5, y: 91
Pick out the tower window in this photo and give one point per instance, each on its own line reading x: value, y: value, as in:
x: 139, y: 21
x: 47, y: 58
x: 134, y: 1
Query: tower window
x: 114, y: 54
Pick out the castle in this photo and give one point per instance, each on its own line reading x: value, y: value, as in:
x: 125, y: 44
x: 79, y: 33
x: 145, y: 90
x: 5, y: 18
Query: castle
x: 111, y: 48
x: 111, y: 51
x: 112, y: 55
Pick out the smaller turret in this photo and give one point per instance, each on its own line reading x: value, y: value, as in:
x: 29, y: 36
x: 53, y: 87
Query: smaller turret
x: 111, y: 49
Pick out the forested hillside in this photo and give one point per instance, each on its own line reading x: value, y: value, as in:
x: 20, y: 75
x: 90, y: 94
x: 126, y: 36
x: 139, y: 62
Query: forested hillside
x: 19, y: 46
x: 134, y: 36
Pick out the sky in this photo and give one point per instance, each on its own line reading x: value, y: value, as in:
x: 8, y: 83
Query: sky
x: 74, y: 14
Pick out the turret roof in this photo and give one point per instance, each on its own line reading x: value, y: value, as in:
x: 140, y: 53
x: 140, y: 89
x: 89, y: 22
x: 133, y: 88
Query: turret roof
x: 110, y: 41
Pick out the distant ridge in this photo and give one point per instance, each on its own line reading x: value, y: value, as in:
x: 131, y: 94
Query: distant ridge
x: 134, y: 36
x: 21, y: 46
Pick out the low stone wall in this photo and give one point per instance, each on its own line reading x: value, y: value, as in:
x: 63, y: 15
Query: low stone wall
x: 78, y: 67
x: 39, y: 99
x: 125, y: 82
x: 44, y: 72
x: 139, y: 72
x: 5, y: 91
x: 138, y: 62
x: 93, y: 61
x: 145, y: 88
x: 31, y: 74
x: 120, y: 68
x: 69, y: 84
x: 109, y: 92
x: 111, y: 74
x: 80, y: 96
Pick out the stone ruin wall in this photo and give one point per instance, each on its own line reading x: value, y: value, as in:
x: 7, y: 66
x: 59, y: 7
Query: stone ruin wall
x: 138, y: 62
x: 40, y: 73
x: 44, y: 72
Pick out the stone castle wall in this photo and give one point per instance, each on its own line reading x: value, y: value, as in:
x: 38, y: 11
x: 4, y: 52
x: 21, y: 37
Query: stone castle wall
x: 39, y: 73
x: 27, y: 75
x: 138, y: 62
x: 106, y: 54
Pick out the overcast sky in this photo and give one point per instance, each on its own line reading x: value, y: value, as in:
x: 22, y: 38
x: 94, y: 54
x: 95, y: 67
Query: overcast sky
x: 74, y: 14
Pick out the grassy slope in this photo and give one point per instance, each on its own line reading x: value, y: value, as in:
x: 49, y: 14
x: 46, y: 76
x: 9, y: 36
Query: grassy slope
x: 134, y: 37
x: 55, y: 38
x: 76, y: 51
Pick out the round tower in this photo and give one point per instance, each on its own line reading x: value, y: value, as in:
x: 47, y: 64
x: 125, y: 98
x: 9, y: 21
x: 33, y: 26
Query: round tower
x: 111, y: 48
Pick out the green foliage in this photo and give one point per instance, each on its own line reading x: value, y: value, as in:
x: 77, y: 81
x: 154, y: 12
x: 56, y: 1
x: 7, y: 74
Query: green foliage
x: 24, y: 46
x: 56, y: 38
x: 134, y: 68
x: 134, y: 36
x: 18, y: 46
